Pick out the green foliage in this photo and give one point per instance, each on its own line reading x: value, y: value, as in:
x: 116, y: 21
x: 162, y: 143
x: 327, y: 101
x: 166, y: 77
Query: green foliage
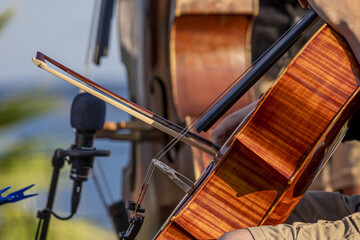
x: 25, y: 162
x: 15, y: 218
x: 18, y: 224
x: 23, y: 106
x: 24, y: 153
x: 19, y: 158
x: 5, y: 17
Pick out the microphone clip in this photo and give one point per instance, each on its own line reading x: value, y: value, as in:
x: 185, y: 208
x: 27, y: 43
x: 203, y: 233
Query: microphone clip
x: 81, y: 160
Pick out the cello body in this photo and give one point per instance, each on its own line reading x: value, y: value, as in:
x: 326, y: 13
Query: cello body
x: 262, y: 172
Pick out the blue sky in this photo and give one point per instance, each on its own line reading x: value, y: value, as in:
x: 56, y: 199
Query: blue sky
x: 60, y: 29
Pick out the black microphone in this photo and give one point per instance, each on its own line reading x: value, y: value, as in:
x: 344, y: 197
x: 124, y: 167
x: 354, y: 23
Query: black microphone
x: 86, y: 117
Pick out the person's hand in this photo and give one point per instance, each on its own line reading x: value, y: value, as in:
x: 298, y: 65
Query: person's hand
x: 339, y: 14
x: 224, y: 130
x: 342, y: 15
x: 304, y: 3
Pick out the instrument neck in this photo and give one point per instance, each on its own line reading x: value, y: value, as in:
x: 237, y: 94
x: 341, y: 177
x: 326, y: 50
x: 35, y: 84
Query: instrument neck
x: 256, y: 71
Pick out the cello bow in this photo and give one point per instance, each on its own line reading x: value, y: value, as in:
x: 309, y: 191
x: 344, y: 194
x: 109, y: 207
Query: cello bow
x: 127, y: 106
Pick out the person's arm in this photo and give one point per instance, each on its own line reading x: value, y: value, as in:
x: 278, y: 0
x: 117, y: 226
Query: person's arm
x: 343, y: 16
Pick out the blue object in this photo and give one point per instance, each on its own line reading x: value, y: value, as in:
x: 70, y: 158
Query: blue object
x: 15, y: 196
x: 4, y: 199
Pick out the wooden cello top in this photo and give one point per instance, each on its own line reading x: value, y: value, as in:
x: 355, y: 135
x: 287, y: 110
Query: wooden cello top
x: 267, y: 165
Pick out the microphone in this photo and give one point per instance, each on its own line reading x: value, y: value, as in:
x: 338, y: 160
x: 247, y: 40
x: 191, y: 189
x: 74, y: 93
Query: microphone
x: 86, y: 117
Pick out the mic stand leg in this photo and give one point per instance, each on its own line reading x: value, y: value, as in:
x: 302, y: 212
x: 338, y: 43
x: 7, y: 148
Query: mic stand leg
x: 44, y: 215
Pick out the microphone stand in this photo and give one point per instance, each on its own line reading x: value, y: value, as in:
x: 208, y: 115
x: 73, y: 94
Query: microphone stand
x: 59, y: 157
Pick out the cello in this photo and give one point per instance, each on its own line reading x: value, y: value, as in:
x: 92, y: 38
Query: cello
x: 263, y: 170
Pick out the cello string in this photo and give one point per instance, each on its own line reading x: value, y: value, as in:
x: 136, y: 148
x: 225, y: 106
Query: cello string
x: 99, y: 191
x: 151, y: 168
x: 191, y: 125
x: 104, y: 179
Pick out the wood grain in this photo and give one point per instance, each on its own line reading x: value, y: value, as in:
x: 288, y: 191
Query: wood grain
x: 207, y: 54
x: 209, y: 48
x: 216, y: 7
x: 265, y: 170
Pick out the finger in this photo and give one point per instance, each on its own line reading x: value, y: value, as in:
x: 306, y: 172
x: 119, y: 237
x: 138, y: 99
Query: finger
x: 214, y: 137
x: 304, y: 3
x: 220, y: 140
x: 219, y: 135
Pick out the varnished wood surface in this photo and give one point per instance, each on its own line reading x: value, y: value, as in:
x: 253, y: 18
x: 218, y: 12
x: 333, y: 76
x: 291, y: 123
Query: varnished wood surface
x: 208, y: 51
x: 276, y: 153
x: 207, y: 54
x: 244, y: 7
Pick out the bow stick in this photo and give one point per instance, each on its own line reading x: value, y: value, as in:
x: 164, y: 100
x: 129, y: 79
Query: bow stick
x: 127, y: 106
